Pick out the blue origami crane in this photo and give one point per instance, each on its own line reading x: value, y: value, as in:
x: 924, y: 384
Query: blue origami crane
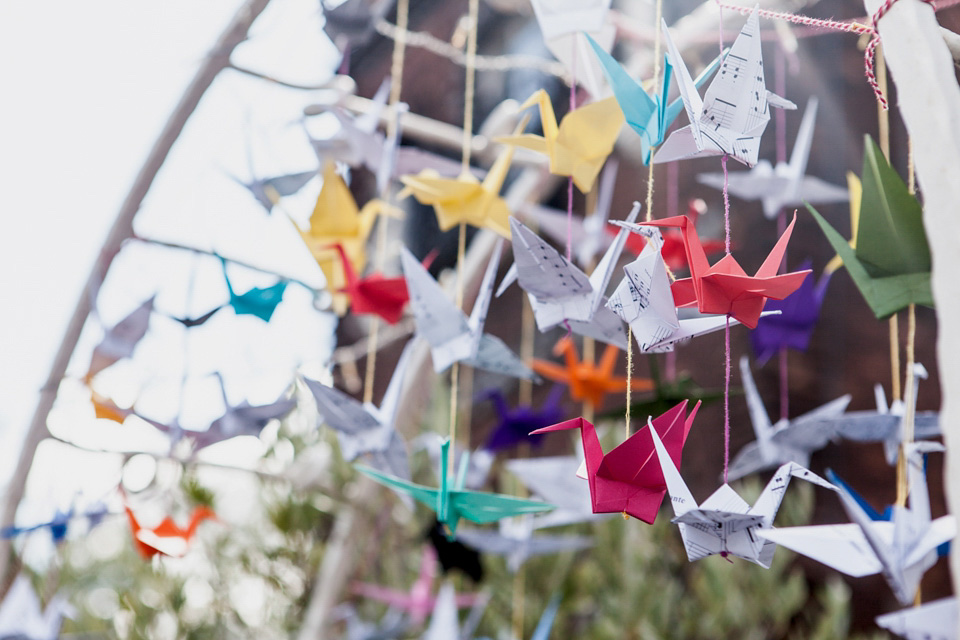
x: 259, y: 302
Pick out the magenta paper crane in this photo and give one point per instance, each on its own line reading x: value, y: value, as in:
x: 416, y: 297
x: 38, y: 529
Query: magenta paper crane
x: 420, y: 600
x: 725, y: 288
x: 629, y: 479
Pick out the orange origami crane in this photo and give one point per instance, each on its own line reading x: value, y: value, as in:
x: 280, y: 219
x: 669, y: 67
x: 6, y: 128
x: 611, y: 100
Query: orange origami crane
x: 375, y: 293
x: 105, y: 408
x: 588, y: 382
x: 725, y: 288
x: 337, y: 220
x: 167, y: 538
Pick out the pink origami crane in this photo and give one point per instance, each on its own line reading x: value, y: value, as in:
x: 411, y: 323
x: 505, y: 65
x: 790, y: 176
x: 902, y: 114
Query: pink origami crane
x: 420, y: 600
x: 725, y: 288
x: 629, y: 479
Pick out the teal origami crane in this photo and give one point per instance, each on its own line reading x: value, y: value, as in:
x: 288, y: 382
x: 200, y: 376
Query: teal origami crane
x: 452, y: 502
x: 648, y: 116
x: 258, y: 301
x: 890, y: 262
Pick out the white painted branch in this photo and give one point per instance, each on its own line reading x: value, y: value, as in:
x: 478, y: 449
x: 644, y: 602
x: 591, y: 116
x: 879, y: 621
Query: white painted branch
x: 929, y: 100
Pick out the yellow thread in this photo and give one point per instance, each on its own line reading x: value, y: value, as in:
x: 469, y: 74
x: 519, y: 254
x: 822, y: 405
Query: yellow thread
x: 396, y: 80
x: 469, y: 89
x: 911, y: 177
x: 909, y: 402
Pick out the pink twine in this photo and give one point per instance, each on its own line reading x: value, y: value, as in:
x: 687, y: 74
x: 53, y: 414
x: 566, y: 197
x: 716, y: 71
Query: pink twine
x: 726, y: 402
x: 726, y: 205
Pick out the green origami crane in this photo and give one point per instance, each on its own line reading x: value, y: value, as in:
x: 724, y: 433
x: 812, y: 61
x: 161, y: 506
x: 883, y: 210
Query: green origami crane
x: 453, y: 503
x: 891, y: 262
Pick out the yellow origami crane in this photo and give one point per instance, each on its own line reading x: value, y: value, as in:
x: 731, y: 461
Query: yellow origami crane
x: 464, y: 199
x: 579, y: 146
x: 856, y: 195
x: 337, y: 220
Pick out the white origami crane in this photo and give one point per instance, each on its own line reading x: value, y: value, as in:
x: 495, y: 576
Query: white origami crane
x: 559, y: 292
x: 479, y: 461
x: 445, y: 622
x: 365, y: 428
x: 452, y: 336
x: 590, y: 231
x: 902, y: 548
x: 563, y: 23
x: 554, y: 480
x: 735, y: 110
x: 886, y: 423
x: 725, y: 523
x: 786, y: 184
x: 787, y: 440
x: 21, y: 616
x: 935, y: 620
x: 643, y: 300
x: 515, y: 541
x: 241, y: 420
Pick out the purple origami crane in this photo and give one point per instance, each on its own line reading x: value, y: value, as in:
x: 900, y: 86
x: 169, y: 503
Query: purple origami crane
x: 794, y: 326
x: 514, y: 425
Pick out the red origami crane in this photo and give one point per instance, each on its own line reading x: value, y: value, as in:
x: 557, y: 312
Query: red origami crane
x: 673, y: 252
x: 629, y: 478
x: 588, y: 382
x: 375, y: 293
x: 725, y: 288
x: 167, y: 538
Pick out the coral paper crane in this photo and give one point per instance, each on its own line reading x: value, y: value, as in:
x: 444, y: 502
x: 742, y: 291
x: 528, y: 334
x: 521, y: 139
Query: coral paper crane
x: 628, y: 479
x: 167, y: 538
x: 580, y: 144
x: 374, y: 294
x: 452, y: 502
x: 588, y: 382
x: 725, y: 287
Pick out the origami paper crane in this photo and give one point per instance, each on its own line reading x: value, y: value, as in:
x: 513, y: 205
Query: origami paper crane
x: 628, y: 478
x: 375, y: 293
x: 268, y: 190
x: 725, y: 288
x: 190, y: 323
x: 257, y: 301
x: 735, y: 110
x: 453, y: 554
x: 587, y: 381
x: 22, y: 618
x: 565, y: 26
x: 559, y: 292
x: 592, y: 233
x: 465, y: 199
x: 452, y: 336
x: 167, y: 538
x: 365, y: 428
x: 725, y: 524
x: 121, y: 339
x: 787, y: 440
x: 392, y: 625
x: 242, y: 419
x: 106, y: 409
x: 478, y: 461
x: 60, y: 522
x: 902, y: 549
x: 793, y: 326
x: 579, y: 146
x: 644, y: 301
x: 514, y: 425
x: 516, y: 542
x: 891, y: 262
x: 886, y: 423
x: 352, y: 22
x: 336, y: 219
x: 419, y: 601
x: 673, y: 252
x: 649, y: 116
x: 554, y: 479
x: 452, y: 502
x: 935, y: 620
x: 445, y: 623
x: 786, y: 184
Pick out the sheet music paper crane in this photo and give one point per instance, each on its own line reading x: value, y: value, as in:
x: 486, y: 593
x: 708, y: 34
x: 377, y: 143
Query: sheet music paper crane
x: 725, y: 524
x: 732, y: 115
x: 786, y: 184
x: 935, y: 620
x: 559, y: 292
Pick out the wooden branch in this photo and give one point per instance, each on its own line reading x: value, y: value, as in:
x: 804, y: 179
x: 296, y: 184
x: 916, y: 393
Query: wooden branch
x: 217, y: 60
x: 929, y: 100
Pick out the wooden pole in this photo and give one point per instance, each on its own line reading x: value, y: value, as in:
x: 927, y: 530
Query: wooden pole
x: 921, y: 66
x: 217, y: 60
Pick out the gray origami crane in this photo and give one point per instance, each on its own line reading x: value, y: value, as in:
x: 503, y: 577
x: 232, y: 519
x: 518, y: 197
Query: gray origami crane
x: 515, y: 541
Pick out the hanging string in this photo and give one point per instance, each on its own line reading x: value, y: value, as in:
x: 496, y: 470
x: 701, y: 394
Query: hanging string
x: 780, y: 75
x: 726, y: 400
x: 573, y: 105
x: 396, y: 86
x: 468, y: 95
x: 726, y: 205
x: 908, y: 424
